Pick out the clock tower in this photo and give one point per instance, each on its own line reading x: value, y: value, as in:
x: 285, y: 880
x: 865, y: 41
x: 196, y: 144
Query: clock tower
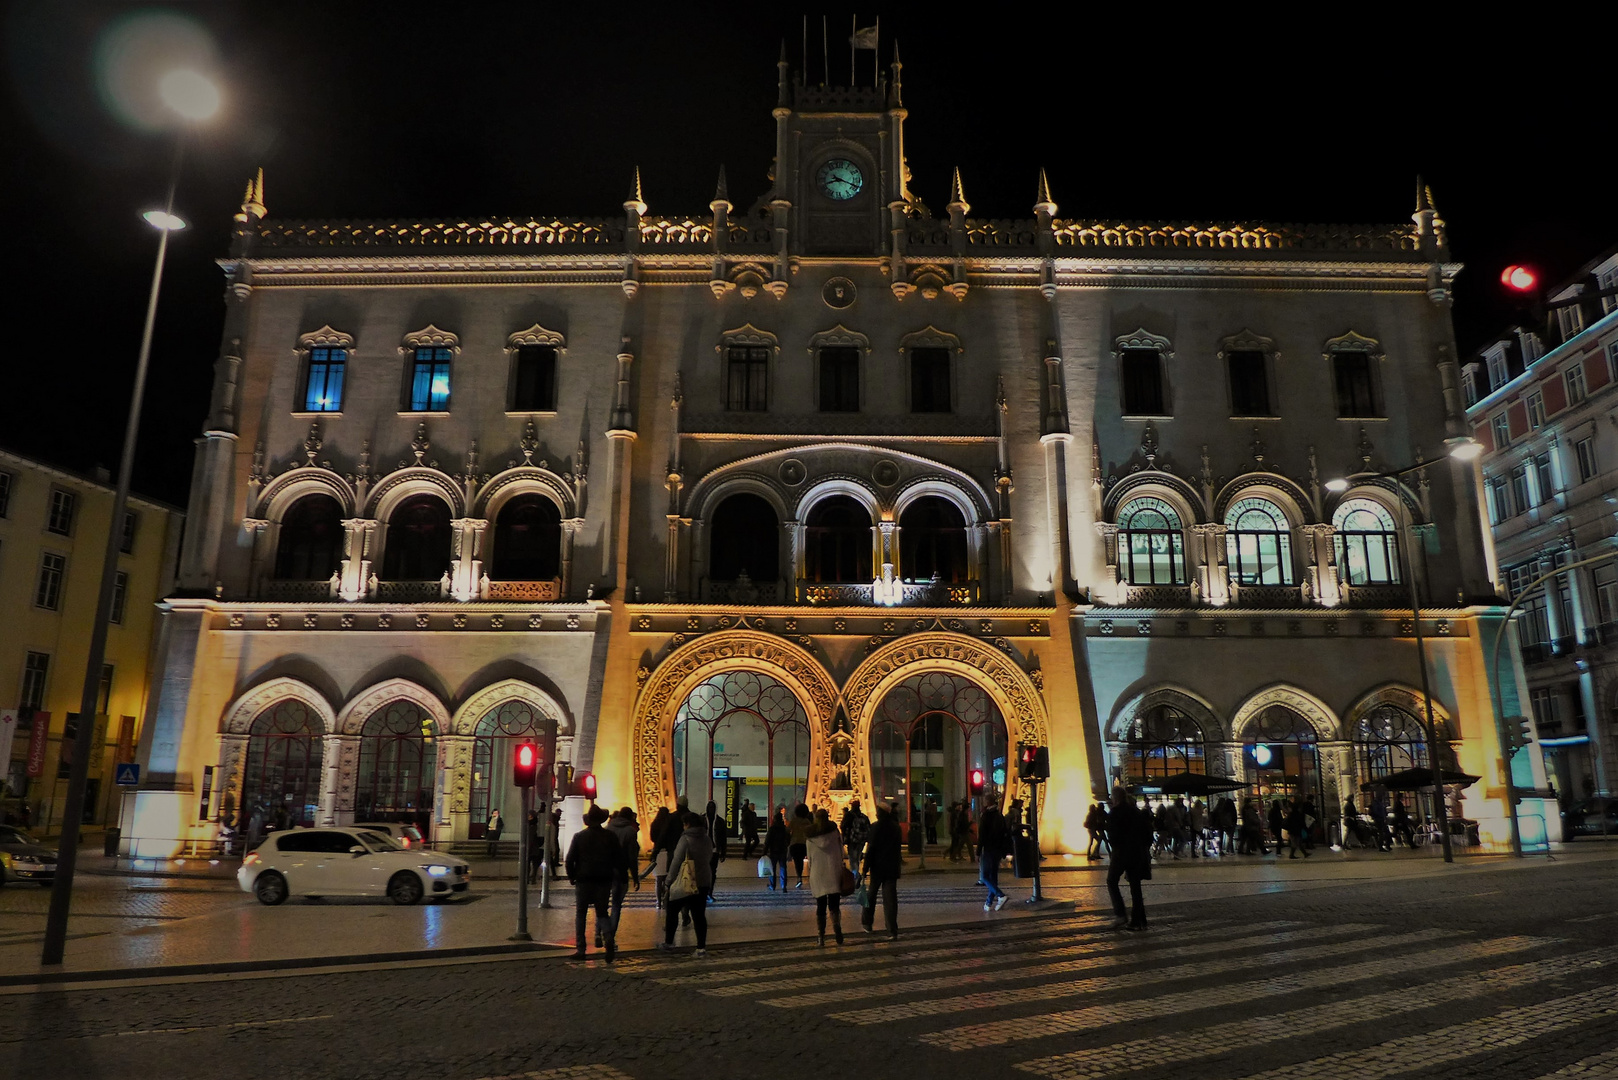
x: 840, y: 175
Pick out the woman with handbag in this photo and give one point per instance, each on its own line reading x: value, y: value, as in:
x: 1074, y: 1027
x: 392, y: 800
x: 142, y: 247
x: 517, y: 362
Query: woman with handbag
x: 690, y: 878
x: 829, y: 878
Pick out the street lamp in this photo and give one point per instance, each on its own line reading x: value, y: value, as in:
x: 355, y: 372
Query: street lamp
x: 192, y: 97
x: 1461, y: 449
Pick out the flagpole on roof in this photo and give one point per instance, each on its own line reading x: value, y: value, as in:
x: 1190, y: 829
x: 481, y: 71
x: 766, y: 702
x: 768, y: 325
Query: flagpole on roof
x: 825, y: 54
x: 876, y: 53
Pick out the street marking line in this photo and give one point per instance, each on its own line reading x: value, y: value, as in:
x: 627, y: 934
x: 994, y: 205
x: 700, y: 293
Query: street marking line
x: 1002, y: 1032
x: 1244, y: 1035
x: 569, y: 1072
x: 235, y: 1026
x: 870, y: 990
x: 1590, y: 1068
x: 965, y: 960
x: 1073, y: 987
x: 1485, y: 1035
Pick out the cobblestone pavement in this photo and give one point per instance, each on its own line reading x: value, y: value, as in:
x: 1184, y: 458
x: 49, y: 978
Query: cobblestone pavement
x: 1506, y: 974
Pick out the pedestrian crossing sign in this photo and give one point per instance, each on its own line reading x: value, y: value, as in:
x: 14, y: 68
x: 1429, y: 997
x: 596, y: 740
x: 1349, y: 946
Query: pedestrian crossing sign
x: 126, y: 774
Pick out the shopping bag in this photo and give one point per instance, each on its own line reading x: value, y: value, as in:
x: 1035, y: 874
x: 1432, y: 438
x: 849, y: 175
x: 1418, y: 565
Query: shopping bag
x: 765, y: 867
x: 862, y: 895
x: 846, y: 883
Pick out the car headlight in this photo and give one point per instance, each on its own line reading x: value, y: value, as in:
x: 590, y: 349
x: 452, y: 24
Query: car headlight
x: 29, y: 860
x: 5, y: 860
x: 436, y: 871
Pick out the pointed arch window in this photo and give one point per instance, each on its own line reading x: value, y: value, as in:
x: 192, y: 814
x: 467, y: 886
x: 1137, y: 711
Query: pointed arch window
x: 932, y: 541
x: 527, y: 540
x: 746, y: 539
x: 1164, y: 742
x: 310, y: 545
x: 1258, y: 543
x: 1366, y: 543
x: 837, y: 542
x: 418, y: 544
x: 1151, y: 543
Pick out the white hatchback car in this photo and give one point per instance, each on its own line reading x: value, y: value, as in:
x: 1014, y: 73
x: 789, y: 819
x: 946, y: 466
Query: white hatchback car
x: 347, y: 862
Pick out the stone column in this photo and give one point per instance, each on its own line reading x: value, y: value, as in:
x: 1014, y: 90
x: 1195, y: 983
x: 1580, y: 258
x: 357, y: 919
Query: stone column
x: 359, y: 539
x: 455, y: 764
x: 1213, y: 573
x: 465, y: 568
x: 1111, y: 588
x: 1321, y: 571
x: 258, y: 533
x: 570, y: 532
x: 339, y: 770
x: 232, y: 774
x: 795, y: 554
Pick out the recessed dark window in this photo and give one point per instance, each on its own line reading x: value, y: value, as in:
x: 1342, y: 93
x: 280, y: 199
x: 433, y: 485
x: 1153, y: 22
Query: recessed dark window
x: 527, y: 541
x: 932, y: 541
x: 1249, y: 383
x: 1142, y: 374
x: 63, y: 506
x: 418, y: 543
x: 534, y: 382
x: 120, y: 597
x: 126, y: 542
x: 1355, y: 393
x: 310, y: 544
x: 837, y: 542
x: 840, y: 379
x: 745, y: 538
x: 747, y: 378
x: 5, y: 493
x: 929, y: 381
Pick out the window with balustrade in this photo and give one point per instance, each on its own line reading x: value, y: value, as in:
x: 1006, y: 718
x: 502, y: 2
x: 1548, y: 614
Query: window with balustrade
x: 1151, y: 543
x: 1258, y: 543
x: 1366, y: 543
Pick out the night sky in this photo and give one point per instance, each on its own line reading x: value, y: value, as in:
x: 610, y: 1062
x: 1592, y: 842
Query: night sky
x: 406, y: 110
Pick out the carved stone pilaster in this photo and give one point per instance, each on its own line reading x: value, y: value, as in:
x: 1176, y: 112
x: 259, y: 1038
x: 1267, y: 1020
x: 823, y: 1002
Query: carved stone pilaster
x: 359, y: 540
x: 260, y: 539
x: 1111, y: 587
x: 1321, y: 571
x: 231, y: 776
x: 1212, y: 575
x: 466, y: 568
x: 340, y: 766
x: 570, y: 532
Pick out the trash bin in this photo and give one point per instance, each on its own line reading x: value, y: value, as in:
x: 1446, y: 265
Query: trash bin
x: 1023, y: 856
x: 110, y: 841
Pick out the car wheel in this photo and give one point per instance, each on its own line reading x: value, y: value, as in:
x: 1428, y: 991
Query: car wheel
x: 270, y: 888
x: 404, y: 888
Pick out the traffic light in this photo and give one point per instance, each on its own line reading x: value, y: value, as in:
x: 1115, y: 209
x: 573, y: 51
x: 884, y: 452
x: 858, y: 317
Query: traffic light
x: 1519, y: 732
x: 525, y: 765
x: 1033, y: 762
x: 975, y: 780
x: 585, y: 784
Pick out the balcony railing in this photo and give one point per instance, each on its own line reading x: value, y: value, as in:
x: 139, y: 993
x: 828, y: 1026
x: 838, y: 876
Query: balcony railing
x: 298, y: 591
x: 1266, y: 596
x: 531, y: 591
x: 409, y: 592
x: 889, y: 594
x: 744, y: 590
x: 1376, y: 596
x: 1157, y: 596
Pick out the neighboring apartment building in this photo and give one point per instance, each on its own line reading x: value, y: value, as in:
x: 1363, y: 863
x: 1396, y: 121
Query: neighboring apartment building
x: 1543, y: 400
x: 53, y: 535
x: 820, y: 498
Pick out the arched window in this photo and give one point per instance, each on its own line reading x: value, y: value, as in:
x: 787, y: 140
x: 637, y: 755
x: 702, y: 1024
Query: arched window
x: 1282, y: 756
x: 1164, y: 742
x: 745, y: 538
x: 311, y: 541
x: 1258, y: 543
x: 527, y: 540
x: 1151, y: 547
x: 837, y: 542
x: 1367, y: 543
x: 494, y: 745
x: 283, y: 765
x: 418, y: 540
x: 932, y: 541
x: 1389, y: 740
x: 750, y: 725
x: 398, y: 763
x: 928, y: 734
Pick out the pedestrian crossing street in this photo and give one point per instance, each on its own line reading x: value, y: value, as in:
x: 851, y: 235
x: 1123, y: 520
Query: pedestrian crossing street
x: 1067, y: 996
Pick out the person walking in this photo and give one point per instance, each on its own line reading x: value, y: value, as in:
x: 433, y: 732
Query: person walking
x: 826, y: 875
x: 799, y: 831
x: 491, y: 833
x: 1276, y: 820
x: 994, y: 840
x: 1252, y: 834
x: 963, y: 830
x: 929, y: 819
x: 594, y: 860
x: 688, y: 892
x: 1130, y: 830
x: 777, y: 842
x: 662, y: 822
x: 1401, y: 822
x: 626, y: 830
x: 749, y: 829
x: 1379, y: 822
x: 884, y: 855
x: 1092, y: 826
x: 718, y: 829
x: 536, y: 846
x: 1298, y: 829
x: 856, y: 829
x: 1198, y: 817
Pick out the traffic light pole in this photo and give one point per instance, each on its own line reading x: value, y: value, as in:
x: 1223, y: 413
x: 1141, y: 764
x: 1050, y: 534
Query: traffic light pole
x: 545, y: 855
x: 1033, y: 834
x: 522, y: 933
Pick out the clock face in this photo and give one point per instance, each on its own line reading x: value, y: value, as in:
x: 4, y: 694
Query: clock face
x: 840, y: 179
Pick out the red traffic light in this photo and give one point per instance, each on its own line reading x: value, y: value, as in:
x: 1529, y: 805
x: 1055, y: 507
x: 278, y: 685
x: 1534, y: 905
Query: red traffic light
x: 976, y: 780
x: 1518, y: 278
x: 525, y: 765
x: 587, y: 786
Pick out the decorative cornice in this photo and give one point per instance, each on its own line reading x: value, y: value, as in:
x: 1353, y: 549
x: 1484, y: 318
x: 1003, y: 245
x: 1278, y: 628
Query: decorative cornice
x: 536, y: 335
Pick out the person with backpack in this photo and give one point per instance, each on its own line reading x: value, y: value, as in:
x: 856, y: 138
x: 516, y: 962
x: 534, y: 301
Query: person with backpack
x: 594, y: 860
x: 884, y: 855
x: 994, y: 841
x: 626, y: 830
x: 1130, y: 830
x: 856, y: 829
x: 690, y: 878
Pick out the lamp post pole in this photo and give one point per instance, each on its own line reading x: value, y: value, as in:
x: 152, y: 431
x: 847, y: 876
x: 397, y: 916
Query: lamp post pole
x: 84, y: 736
x: 1435, y: 754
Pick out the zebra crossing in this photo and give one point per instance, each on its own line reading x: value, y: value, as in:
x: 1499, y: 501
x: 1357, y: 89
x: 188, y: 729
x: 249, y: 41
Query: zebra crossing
x: 1065, y: 996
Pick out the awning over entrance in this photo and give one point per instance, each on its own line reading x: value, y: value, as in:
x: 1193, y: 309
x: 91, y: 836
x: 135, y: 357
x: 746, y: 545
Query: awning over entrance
x: 1414, y: 779
x: 1189, y: 784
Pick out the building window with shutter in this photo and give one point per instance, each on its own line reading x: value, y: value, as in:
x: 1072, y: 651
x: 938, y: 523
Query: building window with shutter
x: 5, y: 494
x: 120, y: 596
x: 533, y: 386
x: 63, y: 506
x: 36, y: 668
x: 840, y: 378
x: 1574, y: 377
x: 1536, y: 410
x: 1585, y: 450
x: 1543, y: 477
x: 747, y: 378
x: 1501, y: 427
x: 48, y: 587
x: 1141, y: 372
x: 929, y: 380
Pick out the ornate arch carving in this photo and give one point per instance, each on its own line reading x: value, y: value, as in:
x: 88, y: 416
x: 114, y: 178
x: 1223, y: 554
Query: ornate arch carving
x: 748, y: 334
x: 839, y: 335
x: 535, y: 335
x: 855, y: 487
x: 521, y: 480
x: 652, y: 739
x: 1020, y: 703
x: 279, y: 494
x: 1247, y: 340
x: 1178, y: 493
x: 400, y: 484
x: 360, y: 707
x: 239, y: 716
x: 1351, y: 342
x: 930, y: 337
x: 430, y: 335
x: 1305, y: 704
x: 475, y: 707
x: 1284, y: 492
x: 923, y: 486
x: 1143, y: 338
x: 325, y: 337
x: 1404, y: 697
x: 1193, y: 705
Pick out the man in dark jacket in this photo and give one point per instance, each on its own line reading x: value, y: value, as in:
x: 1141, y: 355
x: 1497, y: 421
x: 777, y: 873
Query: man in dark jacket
x: 883, y: 859
x: 594, y: 860
x: 1130, y: 830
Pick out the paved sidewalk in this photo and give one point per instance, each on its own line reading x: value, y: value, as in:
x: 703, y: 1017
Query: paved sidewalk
x: 135, y: 926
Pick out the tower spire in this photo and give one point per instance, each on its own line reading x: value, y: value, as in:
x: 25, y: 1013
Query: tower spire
x: 1043, y: 203
x: 721, y: 192
x: 894, y: 98
x: 253, y: 198
x: 957, y: 197
x: 637, y: 198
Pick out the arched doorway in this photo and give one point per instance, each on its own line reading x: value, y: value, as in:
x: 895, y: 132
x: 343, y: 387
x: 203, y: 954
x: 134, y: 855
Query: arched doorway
x: 494, y: 744
x: 932, y: 542
x: 749, y: 728
x: 398, y: 766
x: 1163, y: 742
x: 745, y: 539
x: 418, y: 544
x: 527, y: 540
x: 1388, y: 740
x: 283, y: 765
x: 1281, y: 750
x: 929, y: 732
x: 310, y: 545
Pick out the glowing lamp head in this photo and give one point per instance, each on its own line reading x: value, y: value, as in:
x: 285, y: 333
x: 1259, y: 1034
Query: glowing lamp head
x: 1518, y: 278
x: 189, y: 93
x: 162, y: 219
x: 1337, y: 486
x: 1262, y: 754
x: 1464, y: 449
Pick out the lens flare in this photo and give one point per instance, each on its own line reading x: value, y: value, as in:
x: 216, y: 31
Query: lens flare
x: 152, y: 68
x: 1518, y: 277
x: 190, y: 93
